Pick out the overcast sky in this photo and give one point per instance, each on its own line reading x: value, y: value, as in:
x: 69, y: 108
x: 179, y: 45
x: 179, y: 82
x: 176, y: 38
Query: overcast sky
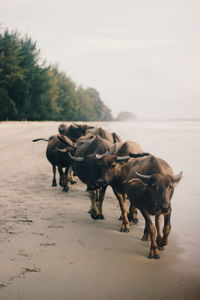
x: 143, y: 56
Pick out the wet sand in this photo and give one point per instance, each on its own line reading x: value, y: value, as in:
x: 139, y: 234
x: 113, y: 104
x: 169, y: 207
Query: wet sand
x: 52, y: 250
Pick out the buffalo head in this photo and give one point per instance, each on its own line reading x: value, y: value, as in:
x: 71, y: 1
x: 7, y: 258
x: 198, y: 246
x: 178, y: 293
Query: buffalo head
x: 110, y: 165
x: 75, y: 131
x: 86, y: 169
x: 62, y: 128
x: 159, y: 189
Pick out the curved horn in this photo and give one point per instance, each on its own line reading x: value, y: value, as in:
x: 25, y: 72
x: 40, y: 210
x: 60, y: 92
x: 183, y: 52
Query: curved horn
x: 143, y: 176
x: 176, y: 178
x: 62, y: 150
x: 77, y: 159
x: 136, y: 155
x: 65, y: 140
x: 122, y: 158
x: 77, y: 125
x: 112, y: 150
x: 100, y: 156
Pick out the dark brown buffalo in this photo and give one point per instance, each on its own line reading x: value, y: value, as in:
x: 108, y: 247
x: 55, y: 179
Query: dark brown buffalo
x: 69, y: 135
x: 149, y: 184
x: 74, y: 131
x: 84, y: 164
x: 59, y: 159
x: 62, y: 128
x: 112, y: 137
x: 107, y: 163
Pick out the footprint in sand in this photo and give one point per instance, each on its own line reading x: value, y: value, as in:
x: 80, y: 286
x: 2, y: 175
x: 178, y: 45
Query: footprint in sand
x: 55, y: 226
x: 47, y: 244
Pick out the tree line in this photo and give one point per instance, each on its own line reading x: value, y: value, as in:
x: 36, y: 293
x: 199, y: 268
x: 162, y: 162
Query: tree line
x: 34, y: 90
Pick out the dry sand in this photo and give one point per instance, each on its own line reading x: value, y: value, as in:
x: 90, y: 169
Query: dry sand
x: 52, y: 250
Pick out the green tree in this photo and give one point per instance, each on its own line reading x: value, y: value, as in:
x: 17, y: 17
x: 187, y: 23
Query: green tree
x: 10, y: 71
x: 30, y: 90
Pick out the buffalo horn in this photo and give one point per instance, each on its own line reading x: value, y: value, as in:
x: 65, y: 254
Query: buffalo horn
x: 112, y: 150
x: 77, y: 125
x: 122, y: 158
x: 77, y: 159
x: 65, y: 141
x: 100, y: 156
x: 143, y: 176
x: 62, y: 150
x: 178, y: 177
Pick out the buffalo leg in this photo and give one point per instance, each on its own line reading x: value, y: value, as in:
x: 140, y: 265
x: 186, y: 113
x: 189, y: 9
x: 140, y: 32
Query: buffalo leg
x: 54, y: 176
x: 153, y: 253
x: 132, y: 215
x: 60, y: 170
x: 65, y: 180
x: 100, y: 202
x: 94, y: 210
x: 122, y: 202
x: 71, y: 176
x: 145, y: 236
x: 166, y: 230
x: 159, y: 234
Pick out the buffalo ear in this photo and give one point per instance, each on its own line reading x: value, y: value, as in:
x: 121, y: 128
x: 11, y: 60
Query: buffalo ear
x: 177, y: 178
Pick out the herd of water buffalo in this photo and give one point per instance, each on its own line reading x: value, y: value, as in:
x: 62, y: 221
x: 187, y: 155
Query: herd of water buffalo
x: 100, y: 158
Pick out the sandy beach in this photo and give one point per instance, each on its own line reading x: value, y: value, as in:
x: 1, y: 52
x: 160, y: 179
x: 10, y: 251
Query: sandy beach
x: 50, y: 248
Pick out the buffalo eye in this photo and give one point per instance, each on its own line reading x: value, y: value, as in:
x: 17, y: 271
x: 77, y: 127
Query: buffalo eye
x: 171, y: 186
x: 113, y: 165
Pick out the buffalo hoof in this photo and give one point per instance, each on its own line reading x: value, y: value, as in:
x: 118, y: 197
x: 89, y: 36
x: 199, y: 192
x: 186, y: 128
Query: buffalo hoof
x: 54, y: 184
x: 124, y: 230
x: 134, y: 220
x: 145, y: 238
x: 94, y: 215
x: 161, y: 244
x: 120, y: 218
x: 154, y: 256
x: 73, y: 182
x: 101, y: 217
x: 160, y: 247
x: 65, y: 189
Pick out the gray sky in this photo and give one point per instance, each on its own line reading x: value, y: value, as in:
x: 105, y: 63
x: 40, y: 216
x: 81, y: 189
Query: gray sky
x: 141, y: 55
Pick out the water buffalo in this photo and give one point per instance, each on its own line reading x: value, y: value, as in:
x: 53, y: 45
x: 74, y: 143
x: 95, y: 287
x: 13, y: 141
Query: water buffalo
x: 150, y: 188
x: 75, y: 131
x: 107, y: 163
x: 149, y: 184
x: 70, y: 135
x: 85, y: 166
x: 59, y: 159
x: 112, y: 137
